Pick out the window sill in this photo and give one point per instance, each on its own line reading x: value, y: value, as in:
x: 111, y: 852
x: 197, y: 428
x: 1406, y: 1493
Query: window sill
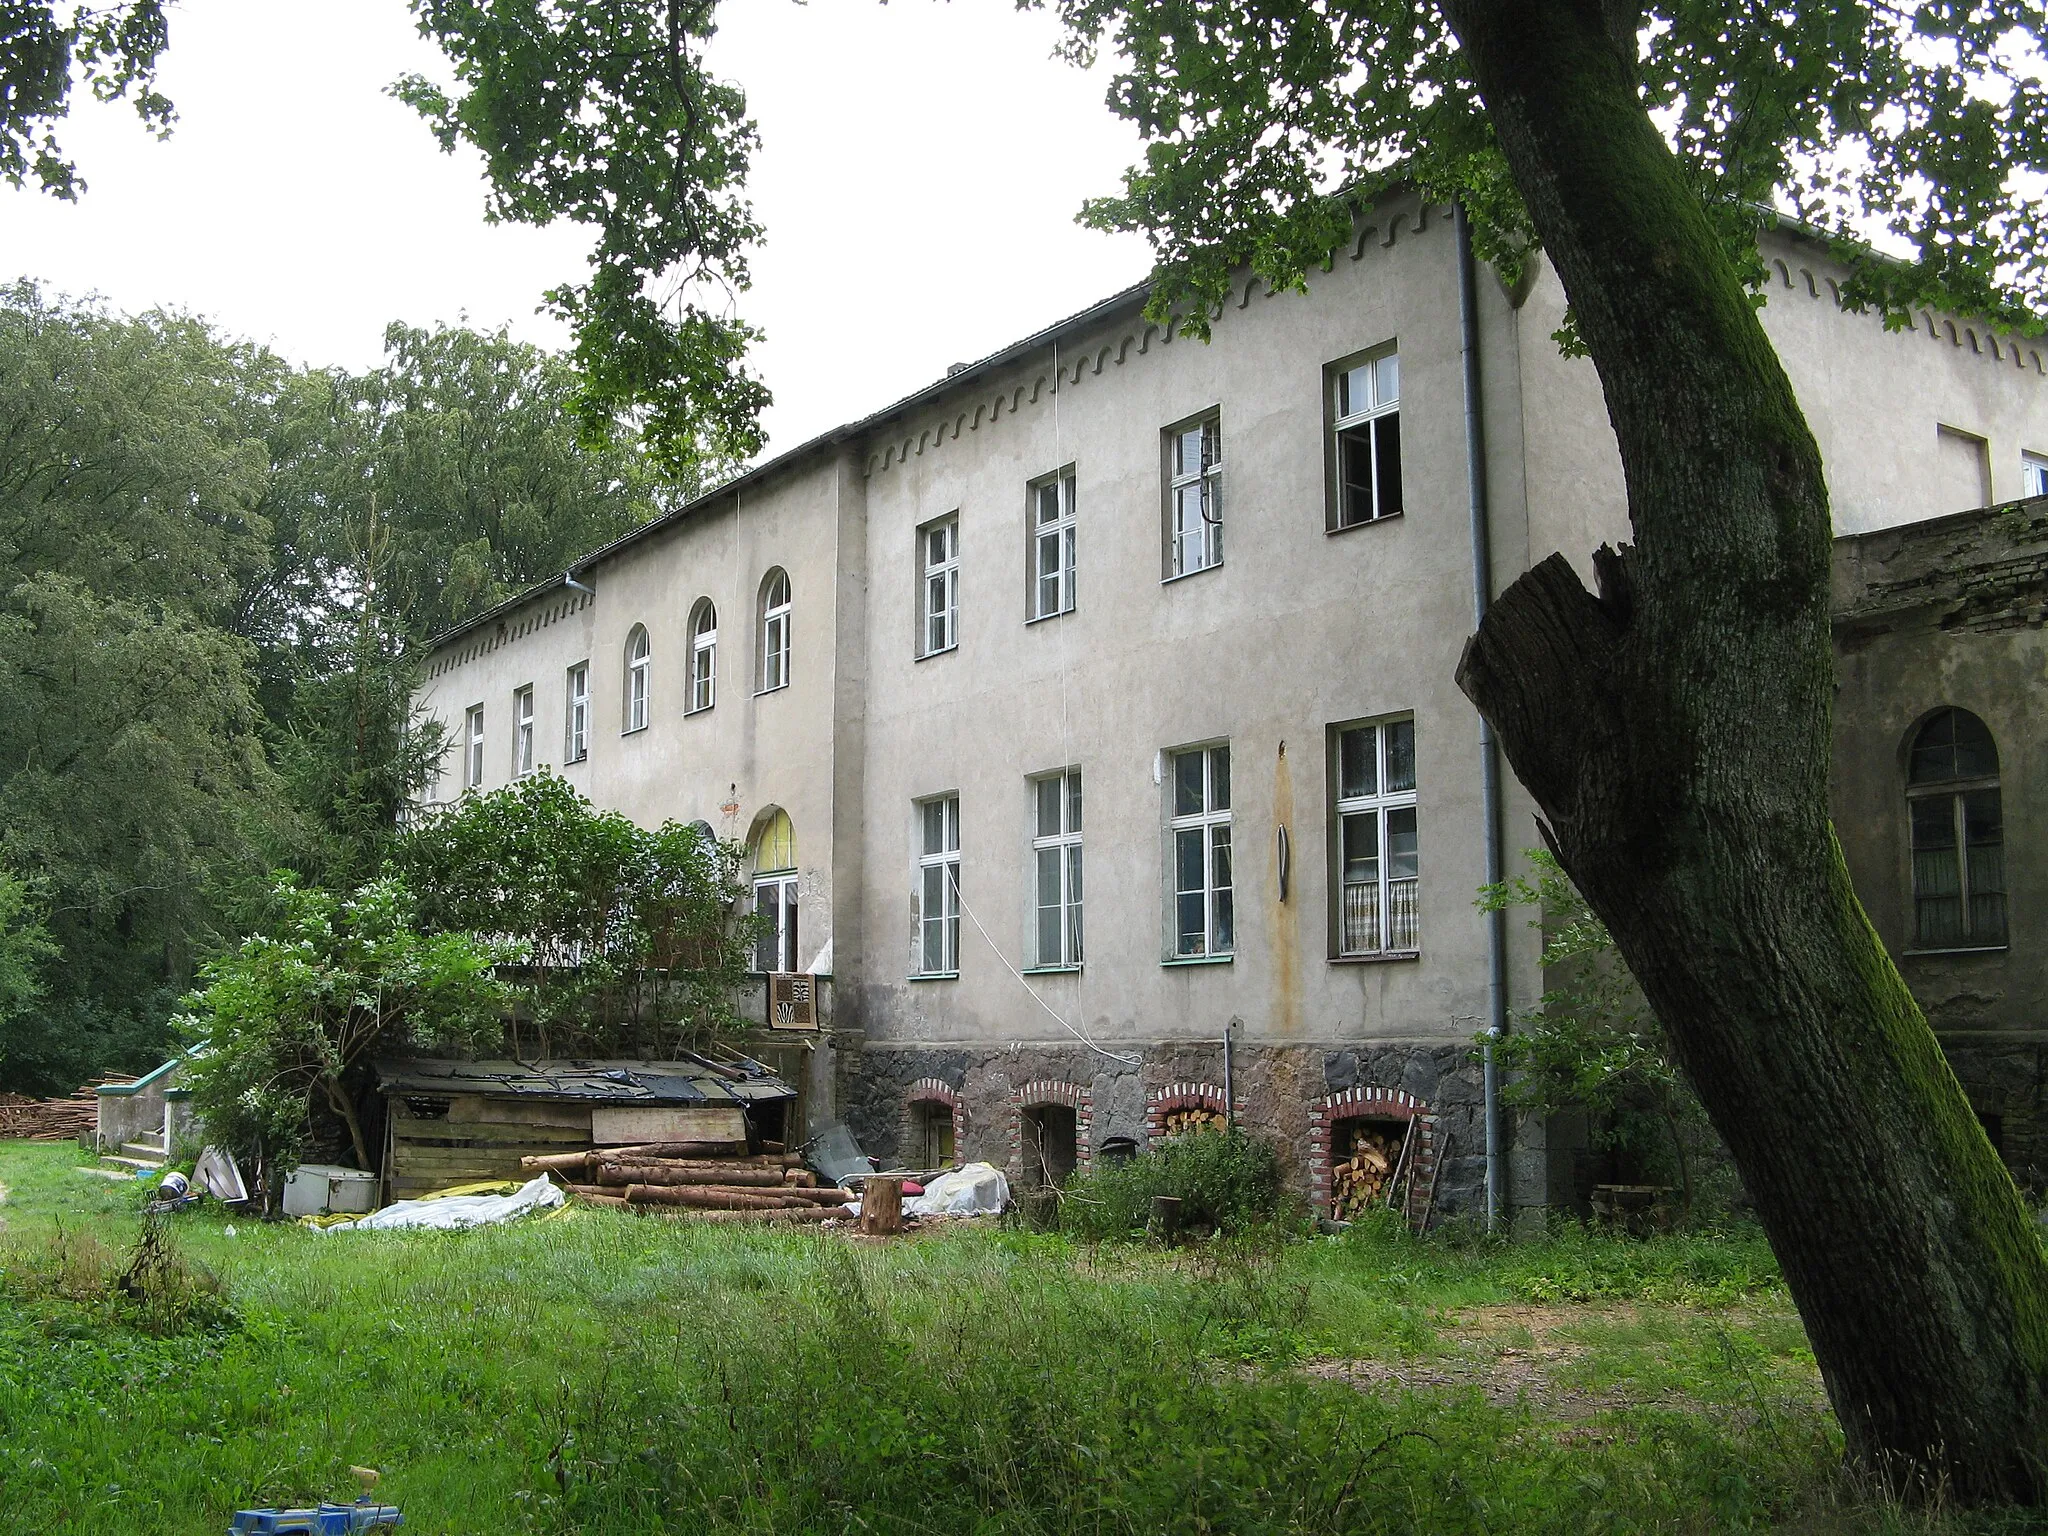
x: 705, y: 710
x: 933, y: 976
x: 571, y: 762
x: 1380, y: 959
x: 633, y: 730
x: 1214, y: 565
x: 1050, y: 970
x: 944, y: 650
x: 1199, y: 959
x: 1957, y: 949
x: 1370, y: 522
x: 762, y: 693
x: 1047, y: 618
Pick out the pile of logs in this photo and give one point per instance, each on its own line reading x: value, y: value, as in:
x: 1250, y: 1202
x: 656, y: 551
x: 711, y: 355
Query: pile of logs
x: 1178, y: 1122
x: 1359, y: 1182
x: 23, y: 1119
x: 707, y: 1181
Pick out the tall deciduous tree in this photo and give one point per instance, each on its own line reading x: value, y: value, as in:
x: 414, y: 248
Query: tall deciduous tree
x: 1674, y: 726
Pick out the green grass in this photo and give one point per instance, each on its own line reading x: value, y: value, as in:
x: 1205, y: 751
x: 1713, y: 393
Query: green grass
x: 609, y: 1374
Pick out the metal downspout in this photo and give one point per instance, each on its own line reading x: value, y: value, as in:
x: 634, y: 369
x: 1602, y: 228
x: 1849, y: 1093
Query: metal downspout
x: 1489, y: 756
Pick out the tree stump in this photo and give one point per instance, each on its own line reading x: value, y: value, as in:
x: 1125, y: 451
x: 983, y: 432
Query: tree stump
x: 881, y: 1207
x: 1166, y: 1217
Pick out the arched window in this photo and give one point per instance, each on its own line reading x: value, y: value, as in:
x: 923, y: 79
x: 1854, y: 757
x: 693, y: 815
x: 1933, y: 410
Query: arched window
x: 703, y: 655
x: 639, y: 665
x: 775, y: 887
x: 774, y: 631
x: 1958, y: 834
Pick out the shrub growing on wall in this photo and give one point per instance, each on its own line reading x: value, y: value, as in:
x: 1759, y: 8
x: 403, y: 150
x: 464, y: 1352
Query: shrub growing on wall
x: 633, y: 941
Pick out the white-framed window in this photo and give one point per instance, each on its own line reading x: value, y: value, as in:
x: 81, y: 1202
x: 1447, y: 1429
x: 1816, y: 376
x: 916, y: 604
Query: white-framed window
x: 639, y: 678
x: 1194, y: 496
x: 703, y: 655
x: 775, y: 900
x: 1958, y: 834
x: 576, y: 730
x: 1052, y: 545
x: 1366, y: 418
x: 1378, y: 861
x: 775, y: 626
x: 773, y: 848
x: 2034, y: 474
x: 522, y: 732
x: 473, y: 765
x: 939, y: 608
x: 938, y: 886
x: 1056, y: 868
x: 1204, y: 916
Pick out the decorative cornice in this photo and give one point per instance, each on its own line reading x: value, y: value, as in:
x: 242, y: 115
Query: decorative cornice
x: 482, y: 643
x: 904, y: 444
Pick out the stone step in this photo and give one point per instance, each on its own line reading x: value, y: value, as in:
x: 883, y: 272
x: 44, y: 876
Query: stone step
x: 135, y: 1164
x: 145, y: 1151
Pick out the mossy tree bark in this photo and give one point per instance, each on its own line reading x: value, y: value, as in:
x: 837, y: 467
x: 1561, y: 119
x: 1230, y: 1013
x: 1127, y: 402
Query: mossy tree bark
x: 1674, y: 729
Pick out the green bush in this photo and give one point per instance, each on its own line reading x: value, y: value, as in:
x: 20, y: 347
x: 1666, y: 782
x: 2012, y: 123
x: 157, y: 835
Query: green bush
x: 1226, y: 1182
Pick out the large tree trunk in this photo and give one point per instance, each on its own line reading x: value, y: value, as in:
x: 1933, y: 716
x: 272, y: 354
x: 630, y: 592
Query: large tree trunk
x: 1674, y: 729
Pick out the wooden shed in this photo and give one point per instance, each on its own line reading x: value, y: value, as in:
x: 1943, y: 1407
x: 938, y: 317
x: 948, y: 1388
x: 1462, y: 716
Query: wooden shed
x: 455, y: 1122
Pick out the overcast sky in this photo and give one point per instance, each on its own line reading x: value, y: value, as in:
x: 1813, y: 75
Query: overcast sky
x: 921, y: 167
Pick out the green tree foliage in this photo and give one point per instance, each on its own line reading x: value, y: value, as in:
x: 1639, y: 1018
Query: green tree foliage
x: 288, y: 1016
x: 1270, y: 124
x: 1592, y: 1042
x: 25, y: 948
x: 601, y: 114
x: 631, y: 938
x: 216, y: 571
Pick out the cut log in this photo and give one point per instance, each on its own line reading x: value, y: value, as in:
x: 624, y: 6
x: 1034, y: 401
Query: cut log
x: 709, y: 1199
x: 681, y: 1149
x: 881, y: 1206
x: 558, y: 1162
x: 656, y: 1173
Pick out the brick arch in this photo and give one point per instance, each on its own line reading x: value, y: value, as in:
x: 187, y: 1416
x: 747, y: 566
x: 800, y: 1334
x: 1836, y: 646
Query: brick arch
x: 1366, y: 1104
x: 933, y: 1090
x: 1161, y: 1101
x: 1050, y: 1091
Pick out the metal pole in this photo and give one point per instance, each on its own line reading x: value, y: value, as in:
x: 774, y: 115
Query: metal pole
x: 1489, y: 757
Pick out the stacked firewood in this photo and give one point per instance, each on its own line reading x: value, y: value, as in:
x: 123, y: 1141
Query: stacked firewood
x: 709, y: 1181
x: 1178, y: 1122
x: 1359, y: 1182
x: 23, y: 1119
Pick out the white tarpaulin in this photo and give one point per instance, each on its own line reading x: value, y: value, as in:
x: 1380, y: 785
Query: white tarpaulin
x: 453, y: 1211
x: 979, y: 1189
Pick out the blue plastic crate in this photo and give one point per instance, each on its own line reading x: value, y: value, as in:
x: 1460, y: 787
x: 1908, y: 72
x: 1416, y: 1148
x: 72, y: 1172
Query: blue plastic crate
x: 327, y: 1520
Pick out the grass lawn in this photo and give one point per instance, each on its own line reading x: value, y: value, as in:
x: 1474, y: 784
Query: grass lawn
x: 604, y: 1373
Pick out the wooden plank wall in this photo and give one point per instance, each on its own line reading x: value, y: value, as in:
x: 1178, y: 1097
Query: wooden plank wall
x: 479, y: 1138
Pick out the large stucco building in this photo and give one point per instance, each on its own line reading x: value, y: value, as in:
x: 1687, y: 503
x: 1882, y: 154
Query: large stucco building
x: 1096, y: 702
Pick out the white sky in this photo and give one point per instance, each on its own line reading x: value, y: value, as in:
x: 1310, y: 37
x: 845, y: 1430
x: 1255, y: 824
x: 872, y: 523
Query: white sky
x: 921, y: 167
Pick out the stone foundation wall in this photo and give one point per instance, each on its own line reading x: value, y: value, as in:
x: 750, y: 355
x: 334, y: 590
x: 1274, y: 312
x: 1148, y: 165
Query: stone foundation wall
x: 1283, y: 1095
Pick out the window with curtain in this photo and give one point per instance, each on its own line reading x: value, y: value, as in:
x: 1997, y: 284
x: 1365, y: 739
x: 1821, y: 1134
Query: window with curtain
x: 938, y: 886
x: 1052, y: 546
x: 576, y: 728
x: 703, y: 655
x: 1958, y: 834
x: 639, y: 675
x: 775, y: 617
x: 1378, y: 857
x: 1204, y: 899
x: 1056, y: 856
